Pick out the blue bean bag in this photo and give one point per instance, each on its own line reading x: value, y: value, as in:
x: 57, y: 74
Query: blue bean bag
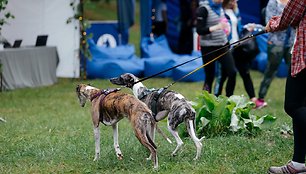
x: 262, y: 60
x: 156, y: 48
x: 107, y: 62
x: 119, y: 52
x: 282, y: 70
x: 262, y: 42
x: 155, y: 65
x: 181, y: 71
x: 108, y: 68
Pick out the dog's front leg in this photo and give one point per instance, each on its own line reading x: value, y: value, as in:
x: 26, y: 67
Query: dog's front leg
x: 97, y: 142
x: 116, y: 142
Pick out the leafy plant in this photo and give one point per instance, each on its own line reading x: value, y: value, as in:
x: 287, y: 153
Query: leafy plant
x: 221, y: 115
x: 6, y: 16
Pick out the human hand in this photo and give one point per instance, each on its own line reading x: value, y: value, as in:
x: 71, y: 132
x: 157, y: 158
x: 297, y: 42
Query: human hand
x: 268, y: 28
x: 220, y: 26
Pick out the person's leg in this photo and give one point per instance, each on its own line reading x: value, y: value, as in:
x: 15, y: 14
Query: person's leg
x: 275, y: 55
x: 295, y: 98
x: 228, y: 65
x: 221, y: 77
x: 209, y: 69
x: 243, y: 68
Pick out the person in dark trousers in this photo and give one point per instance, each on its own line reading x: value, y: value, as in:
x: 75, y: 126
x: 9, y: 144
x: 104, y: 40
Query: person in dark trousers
x: 212, y: 26
x: 294, y: 15
x: 188, y: 20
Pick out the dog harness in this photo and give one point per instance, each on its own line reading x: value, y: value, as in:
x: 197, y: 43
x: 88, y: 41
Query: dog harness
x: 104, y: 92
x: 154, y: 102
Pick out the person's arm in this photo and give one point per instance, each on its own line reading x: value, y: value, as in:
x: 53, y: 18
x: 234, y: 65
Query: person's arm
x: 202, y: 29
x: 291, y: 16
x: 269, y: 10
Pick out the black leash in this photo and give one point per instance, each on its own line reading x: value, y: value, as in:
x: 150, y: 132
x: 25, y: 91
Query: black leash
x: 202, y: 66
x: 237, y: 43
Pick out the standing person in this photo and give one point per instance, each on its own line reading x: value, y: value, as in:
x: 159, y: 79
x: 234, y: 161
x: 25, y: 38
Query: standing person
x: 295, y: 93
x: 188, y: 19
x: 242, y: 59
x: 213, y: 28
x: 279, y: 46
x: 159, y: 24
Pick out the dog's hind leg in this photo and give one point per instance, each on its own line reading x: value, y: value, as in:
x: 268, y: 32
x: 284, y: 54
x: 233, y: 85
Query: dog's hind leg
x: 151, y: 130
x: 116, y: 142
x: 196, y: 140
x: 179, y: 142
x: 97, y: 142
x: 149, y: 144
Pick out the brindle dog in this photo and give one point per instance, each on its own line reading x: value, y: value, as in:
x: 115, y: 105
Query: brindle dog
x: 165, y: 103
x: 109, y: 107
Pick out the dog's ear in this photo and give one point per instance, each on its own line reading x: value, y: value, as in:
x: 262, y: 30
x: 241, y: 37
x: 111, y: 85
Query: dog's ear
x: 89, y: 84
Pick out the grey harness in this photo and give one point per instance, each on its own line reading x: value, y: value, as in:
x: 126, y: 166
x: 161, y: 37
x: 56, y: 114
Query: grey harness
x: 154, y: 103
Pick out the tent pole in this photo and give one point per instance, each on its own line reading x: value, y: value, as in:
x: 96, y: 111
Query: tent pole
x: 83, y: 43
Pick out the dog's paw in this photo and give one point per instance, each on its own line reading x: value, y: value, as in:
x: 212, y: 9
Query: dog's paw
x: 173, y: 154
x: 97, y: 156
x: 149, y: 158
x: 119, y: 156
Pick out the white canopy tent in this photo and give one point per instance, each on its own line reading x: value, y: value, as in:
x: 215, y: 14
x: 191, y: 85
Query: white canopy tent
x: 40, y: 17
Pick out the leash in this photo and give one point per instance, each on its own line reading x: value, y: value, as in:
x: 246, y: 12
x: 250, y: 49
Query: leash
x: 202, y: 66
x: 237, y: 43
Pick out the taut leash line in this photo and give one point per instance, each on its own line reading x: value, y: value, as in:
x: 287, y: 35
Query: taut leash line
x: 235, y: 44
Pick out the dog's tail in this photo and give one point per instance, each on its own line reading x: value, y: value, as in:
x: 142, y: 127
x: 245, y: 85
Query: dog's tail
x: 150, y: 140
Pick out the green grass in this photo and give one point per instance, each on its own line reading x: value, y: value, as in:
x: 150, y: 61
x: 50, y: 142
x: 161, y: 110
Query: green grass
x: 48, y: 132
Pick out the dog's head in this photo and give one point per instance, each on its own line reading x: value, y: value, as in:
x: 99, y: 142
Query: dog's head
x: 126, y: 79
x: 82, y: 93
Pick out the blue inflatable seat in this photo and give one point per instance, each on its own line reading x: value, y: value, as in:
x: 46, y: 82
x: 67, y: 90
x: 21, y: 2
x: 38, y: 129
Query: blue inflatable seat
x: 155, y: 48
x: 155, y: 65
x: 181, y: 71
x: 107, y: 62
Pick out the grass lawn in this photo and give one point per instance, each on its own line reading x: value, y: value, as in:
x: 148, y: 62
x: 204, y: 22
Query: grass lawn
x: 48, y: 132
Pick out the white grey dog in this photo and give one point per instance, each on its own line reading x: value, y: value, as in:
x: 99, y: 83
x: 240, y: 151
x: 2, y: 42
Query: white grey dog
x: 165, y: 103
